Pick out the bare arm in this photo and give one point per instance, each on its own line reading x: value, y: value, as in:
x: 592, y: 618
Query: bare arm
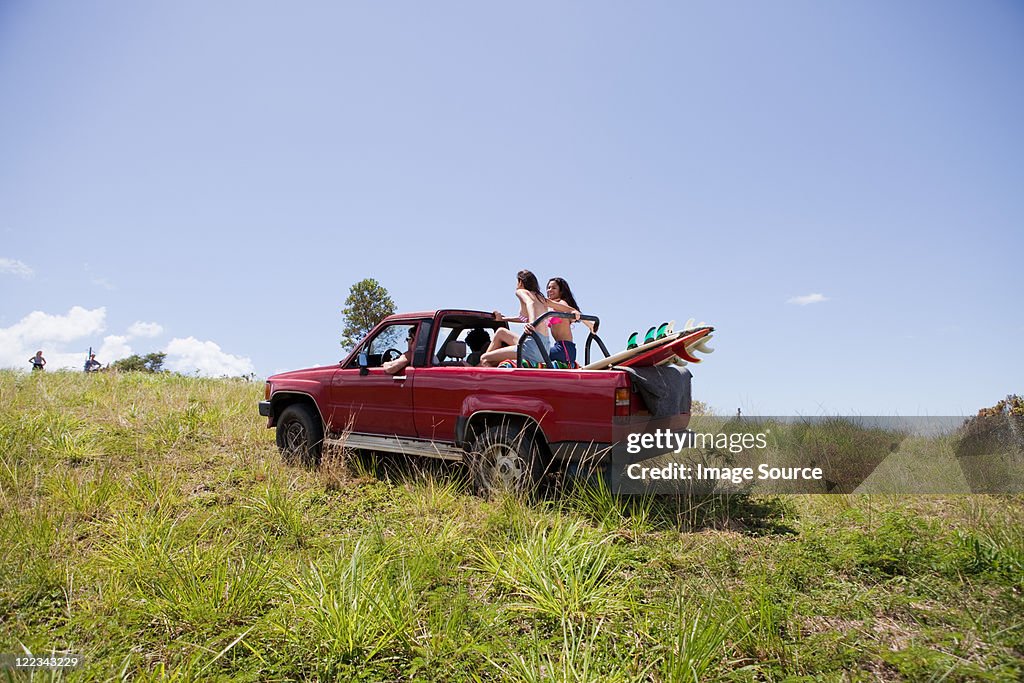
x: 393, y: 367
x: 526, y: 303
x: 559, y: 305
x: 562, y: 307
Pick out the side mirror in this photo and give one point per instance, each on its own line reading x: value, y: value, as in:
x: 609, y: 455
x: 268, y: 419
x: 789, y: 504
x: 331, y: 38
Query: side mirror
x: 364, y: 363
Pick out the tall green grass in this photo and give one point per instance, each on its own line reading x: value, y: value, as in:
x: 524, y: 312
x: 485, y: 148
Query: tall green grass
x: 562, y: 571
x: 148, y: 523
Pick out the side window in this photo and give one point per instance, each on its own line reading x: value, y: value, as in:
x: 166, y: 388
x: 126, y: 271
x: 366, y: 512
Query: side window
x: 391, y: 338
x: 471, y: 339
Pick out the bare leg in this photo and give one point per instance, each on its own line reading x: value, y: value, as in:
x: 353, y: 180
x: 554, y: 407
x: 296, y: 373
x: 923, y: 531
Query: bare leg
x: 492, y: 358
x: 502, y: 338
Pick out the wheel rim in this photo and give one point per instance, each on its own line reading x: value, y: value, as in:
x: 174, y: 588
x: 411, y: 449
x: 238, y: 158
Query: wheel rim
x: 504, y: 468
x: 295, y: 437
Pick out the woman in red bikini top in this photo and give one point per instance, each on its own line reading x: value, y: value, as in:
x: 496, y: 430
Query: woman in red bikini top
x: 560, y: 298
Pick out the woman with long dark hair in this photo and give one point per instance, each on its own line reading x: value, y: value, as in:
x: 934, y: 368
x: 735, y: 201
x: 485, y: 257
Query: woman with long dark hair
x: 532, y: 305
x: 560, y: 298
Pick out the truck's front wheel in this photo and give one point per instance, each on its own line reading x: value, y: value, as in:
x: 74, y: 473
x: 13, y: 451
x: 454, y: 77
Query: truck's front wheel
x: 505, y: 459
x: 300, y: 435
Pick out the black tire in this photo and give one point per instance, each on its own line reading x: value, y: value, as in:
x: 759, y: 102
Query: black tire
x: 505, y: 459
x: 300, y: 435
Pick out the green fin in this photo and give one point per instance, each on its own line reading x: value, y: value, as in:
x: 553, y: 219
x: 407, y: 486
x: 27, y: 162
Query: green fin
x: 662, y: 330
x: 649, y: 337
x: 631, y: 344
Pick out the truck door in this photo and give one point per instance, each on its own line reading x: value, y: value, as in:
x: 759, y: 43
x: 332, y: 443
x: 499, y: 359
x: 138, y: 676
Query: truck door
x: 376, y: 402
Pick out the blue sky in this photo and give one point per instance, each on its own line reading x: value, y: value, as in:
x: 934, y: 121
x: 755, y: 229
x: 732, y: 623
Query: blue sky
x: 209, y: 179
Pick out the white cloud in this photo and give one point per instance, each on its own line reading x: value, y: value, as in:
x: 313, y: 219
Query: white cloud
x: 114, y: 347
x: 807, y: 299
x: 15, y: 267
x: 205, y: 357
x: 40, y: 328
x: 59, y: 335
x: 41, y: 331
x: 141, y: 329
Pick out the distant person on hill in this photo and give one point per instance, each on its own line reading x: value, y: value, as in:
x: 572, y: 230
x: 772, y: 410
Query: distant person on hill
x: 37, y: 361
x: 92, y: 365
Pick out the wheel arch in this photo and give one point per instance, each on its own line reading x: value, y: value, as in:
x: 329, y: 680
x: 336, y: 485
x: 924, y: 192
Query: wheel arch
x: 282, y: 399
x: 477, y: 423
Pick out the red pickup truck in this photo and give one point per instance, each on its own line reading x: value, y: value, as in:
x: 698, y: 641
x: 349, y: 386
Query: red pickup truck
x: 510, y: 425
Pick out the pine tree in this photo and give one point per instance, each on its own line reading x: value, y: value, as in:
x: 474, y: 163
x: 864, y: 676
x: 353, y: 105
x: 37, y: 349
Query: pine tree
x: 367, y: 304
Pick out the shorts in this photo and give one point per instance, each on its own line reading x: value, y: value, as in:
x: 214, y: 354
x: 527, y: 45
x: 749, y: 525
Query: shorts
x: 531, y: 352
x: 564, y: 351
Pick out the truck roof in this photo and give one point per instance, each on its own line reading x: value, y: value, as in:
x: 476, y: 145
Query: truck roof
x: 419, y: 315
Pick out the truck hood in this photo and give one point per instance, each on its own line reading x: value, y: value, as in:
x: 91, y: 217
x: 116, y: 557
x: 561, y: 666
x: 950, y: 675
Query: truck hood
x: 304, y: 373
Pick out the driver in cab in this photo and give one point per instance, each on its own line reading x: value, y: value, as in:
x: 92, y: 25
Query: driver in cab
x: 396, y: 366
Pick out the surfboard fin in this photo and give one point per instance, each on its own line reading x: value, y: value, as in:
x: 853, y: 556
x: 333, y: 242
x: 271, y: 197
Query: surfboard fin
x: 631, y: 342
x: 649, y: 337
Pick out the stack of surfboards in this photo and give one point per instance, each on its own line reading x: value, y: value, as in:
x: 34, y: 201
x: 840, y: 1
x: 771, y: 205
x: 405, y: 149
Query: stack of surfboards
x: 662, y: 345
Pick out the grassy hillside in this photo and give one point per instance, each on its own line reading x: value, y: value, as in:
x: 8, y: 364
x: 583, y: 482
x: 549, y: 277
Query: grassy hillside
x: 147, y: 523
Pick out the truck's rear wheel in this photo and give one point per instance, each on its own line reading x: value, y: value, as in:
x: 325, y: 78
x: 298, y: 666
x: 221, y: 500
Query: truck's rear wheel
x: 505, y: 460
x: 300, y: 435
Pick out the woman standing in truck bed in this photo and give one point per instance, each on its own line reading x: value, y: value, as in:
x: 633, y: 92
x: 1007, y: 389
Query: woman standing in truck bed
x: 560, y: 298
x: 532, y: 305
